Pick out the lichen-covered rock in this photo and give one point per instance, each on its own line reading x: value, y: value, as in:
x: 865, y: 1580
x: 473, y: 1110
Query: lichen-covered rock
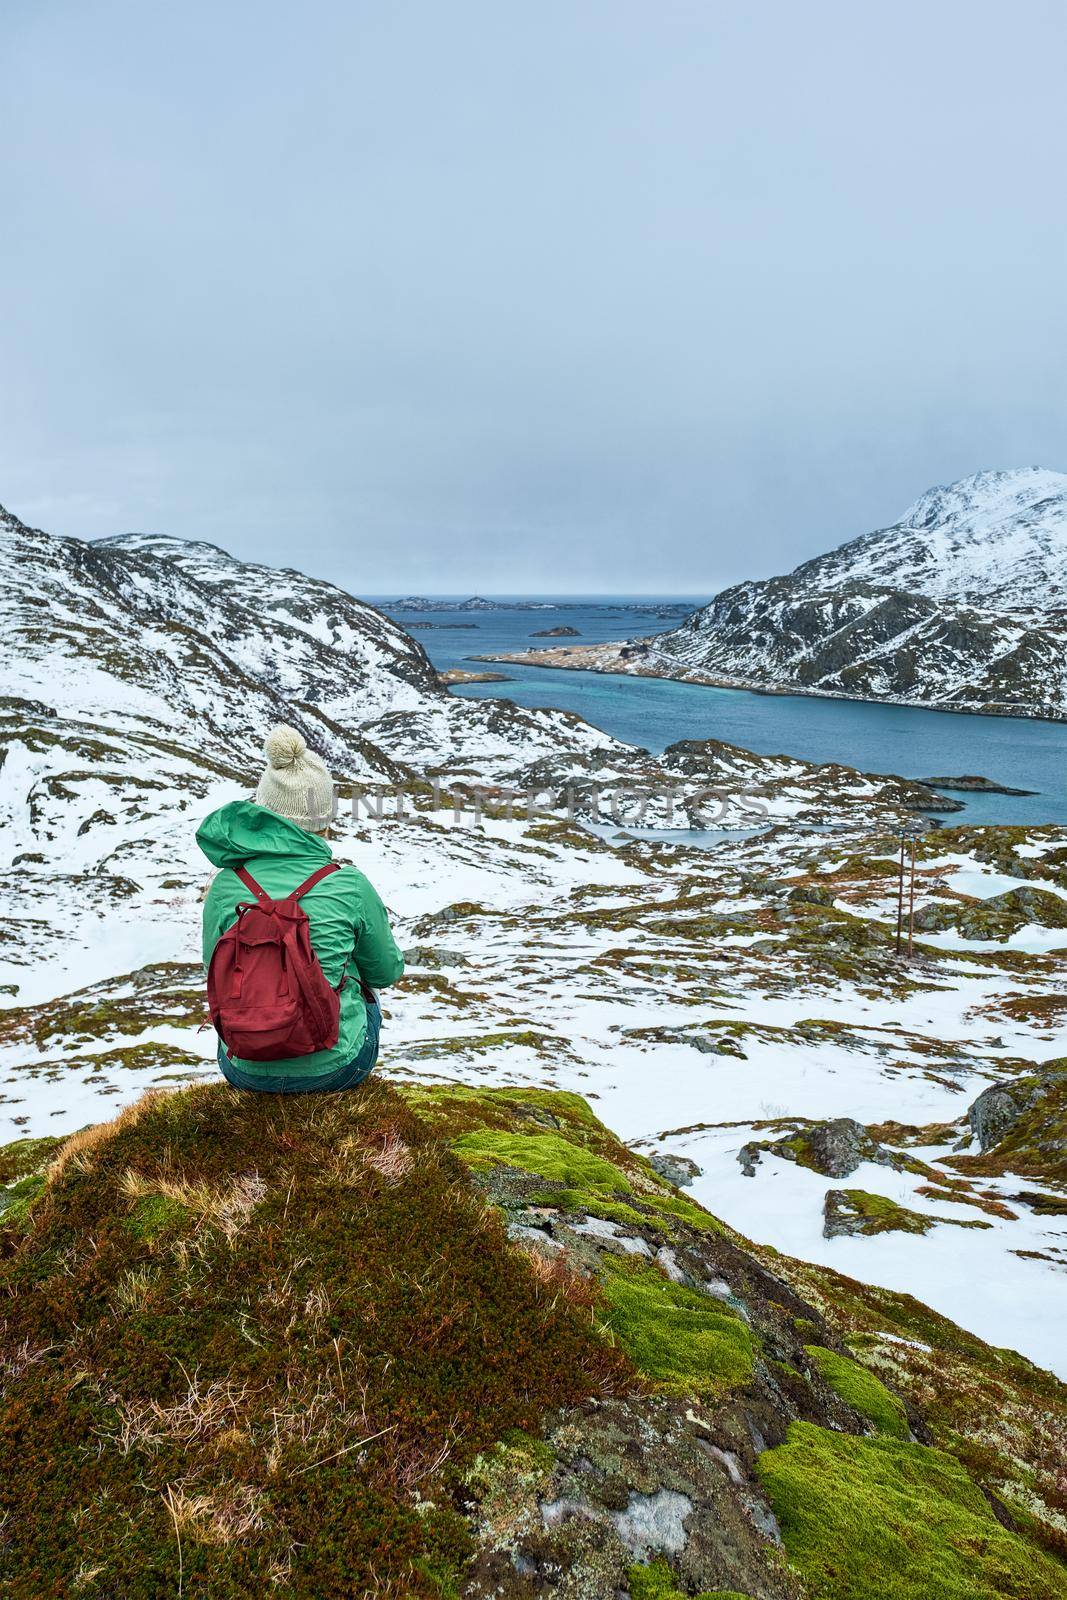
x: 679, y: 1170
x: 855, y: 1213
x: 998, y: 917
x: 816, y: 894
x: 634, y: 1481
x: 999, y: 1108
x: 835, y: 1148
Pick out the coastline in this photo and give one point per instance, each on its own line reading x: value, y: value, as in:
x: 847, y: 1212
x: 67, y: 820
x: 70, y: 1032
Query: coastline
x: 707, y: 681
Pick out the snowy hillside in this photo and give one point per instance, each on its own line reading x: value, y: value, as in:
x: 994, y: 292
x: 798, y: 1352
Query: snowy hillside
x: 961, y: 604
x: 183, y: 643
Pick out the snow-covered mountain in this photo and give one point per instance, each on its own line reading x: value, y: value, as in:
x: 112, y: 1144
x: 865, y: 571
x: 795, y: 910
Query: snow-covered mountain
x: 184, y: 644
x: 137, y: 678
x: 997, y: 540
x: 961, y: 604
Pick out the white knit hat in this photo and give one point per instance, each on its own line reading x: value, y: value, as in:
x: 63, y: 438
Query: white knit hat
x: 296, y: 784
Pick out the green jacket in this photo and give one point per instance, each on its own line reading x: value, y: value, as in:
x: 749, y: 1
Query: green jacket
x: 348, y: 921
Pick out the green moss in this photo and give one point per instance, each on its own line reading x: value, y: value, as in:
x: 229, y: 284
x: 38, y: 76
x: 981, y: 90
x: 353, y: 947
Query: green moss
x: 790, y: 1371
x: 656, y: 1582
x: 24, y: 1156
x: 879, y: 1517
x: 455, y: 1109
x: 869, y: 1214
x: 16, y: 1200
x: 513, y: 1470
x: 860, y: 1389
x: 537, y: 1452
x: 22, y: 1177
x: 521, y: 1451
x: 583, y: 1177
x: 687, y: 1342
x: 676, y: 1205
x: 587, y: 1167
x: 154, y: 1214
x: 1001, y: 1416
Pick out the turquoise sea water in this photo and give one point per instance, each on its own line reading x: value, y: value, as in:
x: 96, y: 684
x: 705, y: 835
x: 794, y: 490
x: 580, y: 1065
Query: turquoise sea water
x: 654, y: 713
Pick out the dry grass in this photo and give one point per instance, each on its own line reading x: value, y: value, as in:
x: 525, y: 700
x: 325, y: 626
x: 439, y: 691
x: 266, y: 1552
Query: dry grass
x: 386, y: 1153
x: 226, y: 1209
x: 203, y: 1411
x: 545, y: 1266
x: 134, y: 1288
x: 391, y: 1158
x: 79, y: 1148
x: 222, y: 1518
x: 25, y: 1355
x: 86, y: 1575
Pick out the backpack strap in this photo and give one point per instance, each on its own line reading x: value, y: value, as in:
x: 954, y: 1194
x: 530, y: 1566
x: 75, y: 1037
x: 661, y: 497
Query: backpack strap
x: 250, y: 883
x: 316, y: 877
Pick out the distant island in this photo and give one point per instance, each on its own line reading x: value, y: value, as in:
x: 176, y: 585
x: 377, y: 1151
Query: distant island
x: 477, y: 602
x: 417, y: 602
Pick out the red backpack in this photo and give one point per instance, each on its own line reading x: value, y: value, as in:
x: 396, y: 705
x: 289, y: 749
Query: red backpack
x: 267, y: 994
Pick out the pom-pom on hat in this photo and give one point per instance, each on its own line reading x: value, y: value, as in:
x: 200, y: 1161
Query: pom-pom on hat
x: 296, y: 784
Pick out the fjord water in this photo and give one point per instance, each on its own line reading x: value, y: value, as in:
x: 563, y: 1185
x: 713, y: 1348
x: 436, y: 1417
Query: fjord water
x: 1017, y: 751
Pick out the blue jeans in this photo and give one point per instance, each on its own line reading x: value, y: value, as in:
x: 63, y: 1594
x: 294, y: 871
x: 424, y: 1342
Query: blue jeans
x: 347, y: 1077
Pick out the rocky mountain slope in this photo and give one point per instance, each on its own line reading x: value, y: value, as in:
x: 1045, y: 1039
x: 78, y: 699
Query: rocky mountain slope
x: 996, y: 540
x: 961, y: 604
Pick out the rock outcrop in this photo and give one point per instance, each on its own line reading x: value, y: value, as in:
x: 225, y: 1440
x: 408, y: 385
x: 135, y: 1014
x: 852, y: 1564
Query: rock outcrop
x: 835, y: 1148
x: 1021, y: 1127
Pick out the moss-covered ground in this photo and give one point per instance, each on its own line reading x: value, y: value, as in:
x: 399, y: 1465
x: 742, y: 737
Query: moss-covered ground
x: 252, y: 1341
x: 860, y: 1389
x: 656, y: 1582
x: 879, y: 1517
x: 281, y: 1345
x: 1001, y: 1417
x: 554, y: 1135
x: 686, y: 1341
x: 859, y: 1211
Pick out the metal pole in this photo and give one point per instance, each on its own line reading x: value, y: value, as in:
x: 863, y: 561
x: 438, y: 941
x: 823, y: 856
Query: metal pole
x: 911, y: 904
x: 900, y: 895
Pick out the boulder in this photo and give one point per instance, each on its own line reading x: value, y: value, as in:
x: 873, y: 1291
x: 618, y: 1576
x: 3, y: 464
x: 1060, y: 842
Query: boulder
x: 997, y: 1110
x: 815, y: 894
x: 996, y: 918
x: 679, y: 1170
x: 835, y: 1148
x: 854, y: 1213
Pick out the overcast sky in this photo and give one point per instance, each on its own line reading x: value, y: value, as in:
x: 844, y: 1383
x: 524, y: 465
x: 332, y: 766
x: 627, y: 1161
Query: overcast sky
x: 577, y: 295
